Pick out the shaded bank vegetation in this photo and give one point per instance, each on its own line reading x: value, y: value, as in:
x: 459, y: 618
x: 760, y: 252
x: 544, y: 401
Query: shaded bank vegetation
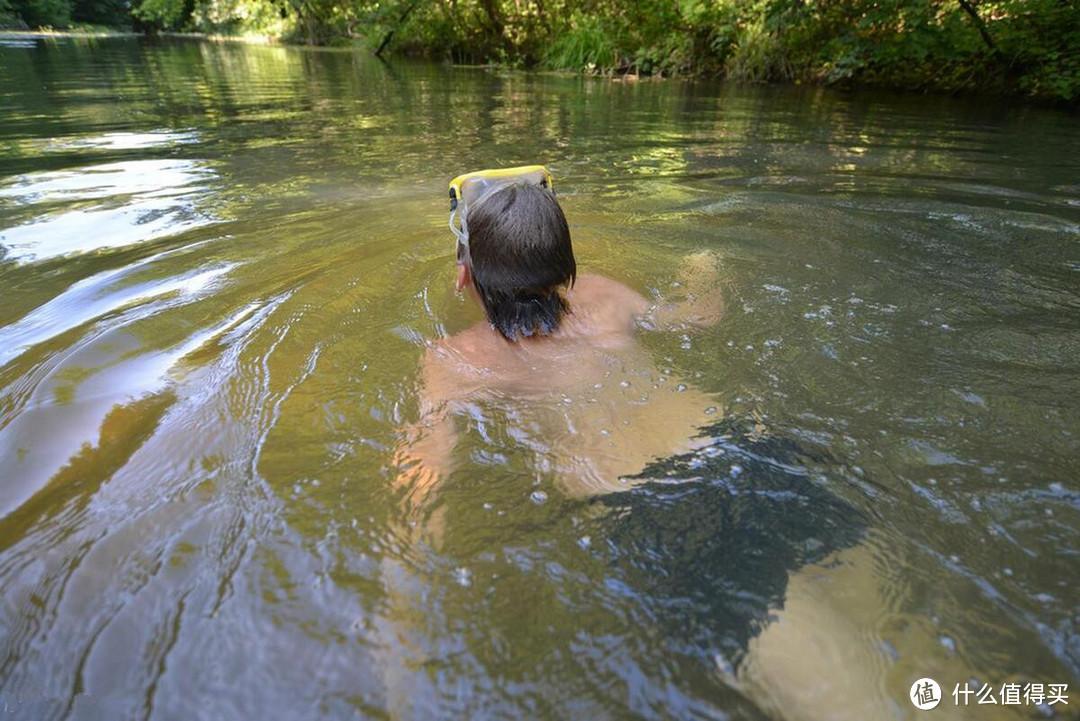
x: 1026, y: 47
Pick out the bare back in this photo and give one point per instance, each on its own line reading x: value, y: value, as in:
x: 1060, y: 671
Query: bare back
x: 589, y: 398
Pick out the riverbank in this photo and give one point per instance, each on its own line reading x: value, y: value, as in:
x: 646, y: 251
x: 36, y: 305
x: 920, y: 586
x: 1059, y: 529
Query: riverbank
x: 1014, y: 49
x: 88, y: 31
x: 1030, y: 56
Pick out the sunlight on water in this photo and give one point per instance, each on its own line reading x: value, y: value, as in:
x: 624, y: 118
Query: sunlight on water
x: 110, y: 141
x: 222, y: 265
x: 93, y: 298
x: 143, y: 177
x: 144, y: 200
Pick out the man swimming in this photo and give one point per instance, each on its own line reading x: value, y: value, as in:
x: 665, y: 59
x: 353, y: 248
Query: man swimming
x: 557, y: 371
x: 558, y: 362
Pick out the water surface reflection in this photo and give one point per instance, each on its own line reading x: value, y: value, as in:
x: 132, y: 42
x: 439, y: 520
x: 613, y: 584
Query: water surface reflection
x: 219, y: 265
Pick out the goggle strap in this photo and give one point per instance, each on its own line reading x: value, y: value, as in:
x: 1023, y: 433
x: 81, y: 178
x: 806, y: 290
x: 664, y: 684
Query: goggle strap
x: 462, y: 233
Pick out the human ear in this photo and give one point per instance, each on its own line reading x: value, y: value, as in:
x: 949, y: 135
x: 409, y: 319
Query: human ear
x: 464, y: 277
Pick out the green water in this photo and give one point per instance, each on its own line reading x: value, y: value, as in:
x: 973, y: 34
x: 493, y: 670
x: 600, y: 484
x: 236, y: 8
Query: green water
x: 219, y: 265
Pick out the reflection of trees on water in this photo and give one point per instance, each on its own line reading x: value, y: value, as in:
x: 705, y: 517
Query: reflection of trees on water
x: 418, y: 119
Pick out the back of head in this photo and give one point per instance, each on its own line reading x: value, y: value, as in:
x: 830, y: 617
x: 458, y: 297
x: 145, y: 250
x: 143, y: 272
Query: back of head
x: 521, y: 258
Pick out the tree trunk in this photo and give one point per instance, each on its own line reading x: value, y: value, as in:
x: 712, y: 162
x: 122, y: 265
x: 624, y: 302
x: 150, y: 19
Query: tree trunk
x: 970, y: 10
x: 497, y: 25
x: 400, y: 22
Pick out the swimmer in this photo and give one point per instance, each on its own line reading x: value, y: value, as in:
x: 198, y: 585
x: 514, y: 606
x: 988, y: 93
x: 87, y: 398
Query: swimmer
x: 554, y: 381
x: 558, y: 356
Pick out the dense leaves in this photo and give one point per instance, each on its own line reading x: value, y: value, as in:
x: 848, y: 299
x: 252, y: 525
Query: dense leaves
x: 1029, y: 47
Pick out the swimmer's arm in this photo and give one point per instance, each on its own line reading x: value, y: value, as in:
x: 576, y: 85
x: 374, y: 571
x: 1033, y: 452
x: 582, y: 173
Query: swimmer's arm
x: 425, y: 450
x: 423, y: 457
x: 702, y: 302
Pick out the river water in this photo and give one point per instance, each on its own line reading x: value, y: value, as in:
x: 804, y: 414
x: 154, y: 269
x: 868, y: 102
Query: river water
x: 219, y: 268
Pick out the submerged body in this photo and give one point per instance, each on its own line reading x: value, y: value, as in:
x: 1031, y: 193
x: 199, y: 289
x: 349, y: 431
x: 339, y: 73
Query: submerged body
x: 588, y: 399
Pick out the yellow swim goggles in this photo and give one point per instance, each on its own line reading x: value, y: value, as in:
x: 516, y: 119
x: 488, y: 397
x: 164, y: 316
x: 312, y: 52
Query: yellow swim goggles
x: 471, y: 189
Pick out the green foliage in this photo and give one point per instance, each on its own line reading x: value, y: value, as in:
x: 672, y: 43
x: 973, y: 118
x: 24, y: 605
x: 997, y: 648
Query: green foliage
x: 108, y: 13
x: 1013, y: 46
x: 759, y: 55
x: 159, y: 13
x: 1049, y: 68
x: 1027, y: 47
x: 585, y: 45
x: 43, y: 13
x: 9, y: 19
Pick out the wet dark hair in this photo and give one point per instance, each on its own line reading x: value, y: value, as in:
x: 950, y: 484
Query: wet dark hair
x: 521, y: 258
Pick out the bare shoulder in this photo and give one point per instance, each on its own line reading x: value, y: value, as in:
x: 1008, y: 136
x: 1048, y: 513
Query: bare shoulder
x: 453, y: 367
x: 601, y: 310
x: 591, y: 283
x: 607, y: 301
x: 455, y: 353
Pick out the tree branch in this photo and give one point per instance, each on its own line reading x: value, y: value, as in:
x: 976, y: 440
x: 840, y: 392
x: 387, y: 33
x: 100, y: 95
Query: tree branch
x: 401, y: 21
x: 979, y: 24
